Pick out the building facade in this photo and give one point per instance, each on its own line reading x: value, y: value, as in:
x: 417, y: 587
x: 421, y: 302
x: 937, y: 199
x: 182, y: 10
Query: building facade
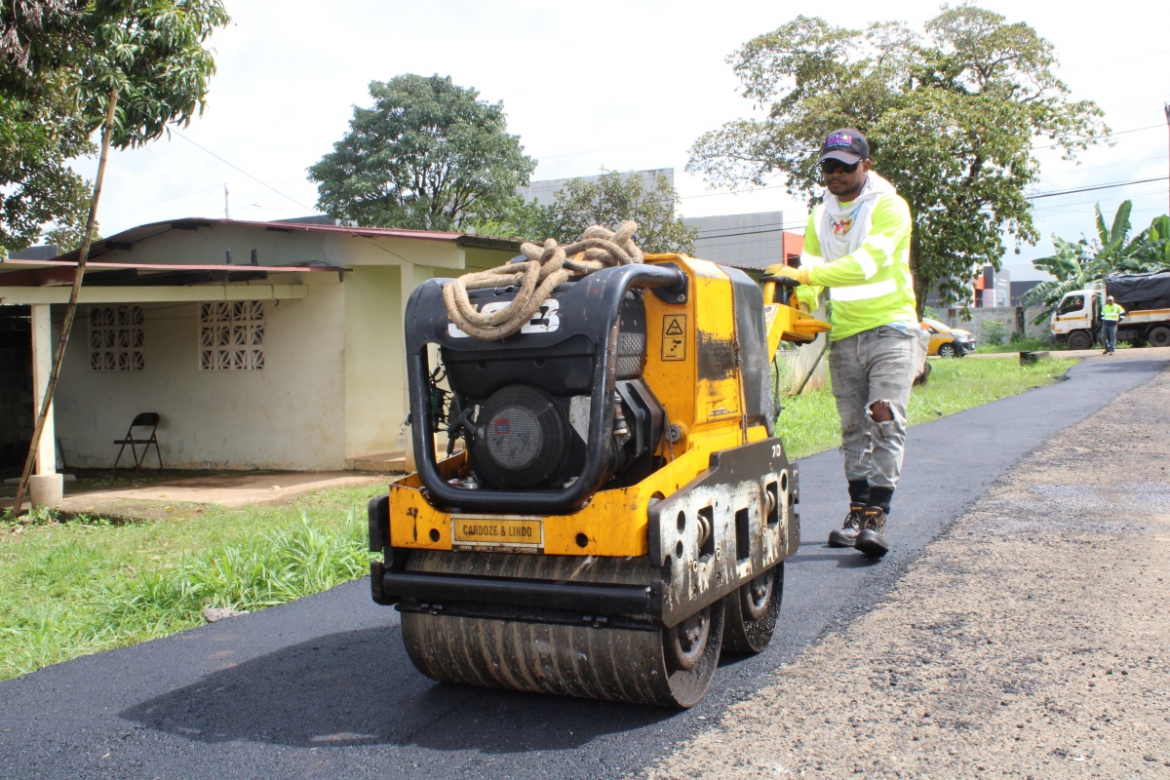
x: 261, y: 345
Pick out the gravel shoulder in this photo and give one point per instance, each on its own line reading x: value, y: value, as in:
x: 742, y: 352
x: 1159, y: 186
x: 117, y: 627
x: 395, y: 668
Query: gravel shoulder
x: 1028, y: 642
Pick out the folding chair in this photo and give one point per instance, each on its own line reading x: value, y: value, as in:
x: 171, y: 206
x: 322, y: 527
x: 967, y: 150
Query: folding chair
x: 144, y: 420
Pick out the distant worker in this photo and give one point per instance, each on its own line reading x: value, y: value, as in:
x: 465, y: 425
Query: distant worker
x: 1110, y: 316
x: 858, y: 244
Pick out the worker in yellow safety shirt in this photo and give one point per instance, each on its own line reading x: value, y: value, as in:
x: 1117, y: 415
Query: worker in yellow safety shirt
x: 1111, y: 314
x: 857, y: 244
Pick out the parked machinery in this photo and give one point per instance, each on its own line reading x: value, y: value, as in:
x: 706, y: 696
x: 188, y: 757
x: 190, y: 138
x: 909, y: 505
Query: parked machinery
x: 620, y: 511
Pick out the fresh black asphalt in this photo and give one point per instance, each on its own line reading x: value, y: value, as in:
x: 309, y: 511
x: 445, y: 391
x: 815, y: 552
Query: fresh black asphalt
x: 322, y: 688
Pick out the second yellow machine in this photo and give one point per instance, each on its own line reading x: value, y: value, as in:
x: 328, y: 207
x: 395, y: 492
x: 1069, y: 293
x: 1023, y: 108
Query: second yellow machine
x: 620, y: 511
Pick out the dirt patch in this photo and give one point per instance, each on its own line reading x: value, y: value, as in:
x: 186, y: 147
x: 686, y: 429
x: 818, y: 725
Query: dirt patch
x: 191, y: 494
x: 1029, y: 642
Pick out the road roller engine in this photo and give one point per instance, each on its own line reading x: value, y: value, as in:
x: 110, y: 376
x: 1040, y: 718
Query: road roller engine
x: 612, y: 510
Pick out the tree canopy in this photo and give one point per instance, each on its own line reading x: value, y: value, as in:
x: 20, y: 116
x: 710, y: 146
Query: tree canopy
x: 429, y: 155
x: 610, y: 200
x: 60, y: 60
x: 1079, y: 264
x: 951, y: 115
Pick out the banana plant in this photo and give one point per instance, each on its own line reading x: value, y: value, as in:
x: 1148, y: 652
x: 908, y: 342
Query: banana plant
x: 1080, y: 264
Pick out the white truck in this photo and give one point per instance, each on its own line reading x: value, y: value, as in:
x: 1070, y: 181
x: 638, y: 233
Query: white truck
x: 1145, y: 298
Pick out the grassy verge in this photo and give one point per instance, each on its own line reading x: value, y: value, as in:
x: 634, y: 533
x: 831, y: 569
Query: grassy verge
x: 809, y: 422
x: 78, y: 587
x: 1034, y: 345
x: 86, y: 585
x: 1021, y: 345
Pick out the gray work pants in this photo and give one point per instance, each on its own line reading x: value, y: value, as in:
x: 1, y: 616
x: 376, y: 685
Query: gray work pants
x: 875, y: 365
x: 1109, y: 335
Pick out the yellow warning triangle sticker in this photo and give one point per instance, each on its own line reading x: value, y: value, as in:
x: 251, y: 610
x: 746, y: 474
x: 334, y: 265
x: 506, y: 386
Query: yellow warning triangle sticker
x: 674, y: 328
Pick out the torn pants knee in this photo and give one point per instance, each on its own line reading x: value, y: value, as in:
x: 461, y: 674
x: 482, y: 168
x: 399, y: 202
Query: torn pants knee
x: 875, y: 366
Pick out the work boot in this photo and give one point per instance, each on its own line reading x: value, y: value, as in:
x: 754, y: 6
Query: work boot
x: 847, y: 534
x: 871, y: 540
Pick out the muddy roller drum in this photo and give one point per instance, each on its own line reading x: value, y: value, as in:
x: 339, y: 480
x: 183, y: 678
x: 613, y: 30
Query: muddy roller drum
x: 648, y: 665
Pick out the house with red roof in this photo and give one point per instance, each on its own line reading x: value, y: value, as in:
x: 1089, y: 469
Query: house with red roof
x: 261, y: 345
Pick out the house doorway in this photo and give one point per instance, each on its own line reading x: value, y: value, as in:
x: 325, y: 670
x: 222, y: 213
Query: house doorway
x: 16, y: 386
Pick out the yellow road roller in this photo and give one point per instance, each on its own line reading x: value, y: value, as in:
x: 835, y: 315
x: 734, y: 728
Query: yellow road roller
x: 612, y: 510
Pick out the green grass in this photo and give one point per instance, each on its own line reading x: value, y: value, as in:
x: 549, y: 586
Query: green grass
x: 86, y: 585
x: 1030, y: 344
x: 1034, y: 345
x: 809, y: 422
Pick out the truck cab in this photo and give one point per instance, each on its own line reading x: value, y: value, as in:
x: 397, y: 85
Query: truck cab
x: 1077, y: 318
x: 1145, y: 298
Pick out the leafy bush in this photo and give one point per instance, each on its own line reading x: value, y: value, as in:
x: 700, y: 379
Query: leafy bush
x: 993, y: 332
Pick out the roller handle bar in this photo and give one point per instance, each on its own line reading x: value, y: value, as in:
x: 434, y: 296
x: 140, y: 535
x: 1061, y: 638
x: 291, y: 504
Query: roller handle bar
x: 617, y: 281
x: 783, y: 285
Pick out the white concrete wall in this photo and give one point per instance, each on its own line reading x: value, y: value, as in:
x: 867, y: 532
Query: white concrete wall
x: 376, y: 397
x: 333, y: 386
x: 290, y: 415
x: 1010, y: 317
x: 374, y: 360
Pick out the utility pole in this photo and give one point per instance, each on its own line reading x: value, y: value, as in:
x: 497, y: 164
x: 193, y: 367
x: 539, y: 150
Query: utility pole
x: 1166, y: 108
x: 227, y: 210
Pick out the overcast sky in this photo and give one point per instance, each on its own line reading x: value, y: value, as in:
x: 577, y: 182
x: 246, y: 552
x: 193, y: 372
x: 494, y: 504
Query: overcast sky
x: 620, y: 85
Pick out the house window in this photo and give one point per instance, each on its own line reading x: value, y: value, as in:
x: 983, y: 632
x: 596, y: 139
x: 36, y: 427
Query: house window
x: 231, y: 336
x: 115, y: 338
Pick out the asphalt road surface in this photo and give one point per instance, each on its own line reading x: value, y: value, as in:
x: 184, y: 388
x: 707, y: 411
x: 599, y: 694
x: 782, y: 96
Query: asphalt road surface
x: 322, y: 688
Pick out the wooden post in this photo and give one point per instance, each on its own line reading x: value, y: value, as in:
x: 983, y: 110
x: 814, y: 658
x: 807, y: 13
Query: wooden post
x: 71, y: 309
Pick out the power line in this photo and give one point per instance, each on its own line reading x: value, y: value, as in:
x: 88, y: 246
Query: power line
x: 1091, y: 138
x: 1079, y: 169
x: 709, y: 230
x: 758, y: 232
x: 1037, y: 196
x: 241, y: 170
x: 165, y: 200
x: 1128, y: 196
x: 1104, y: 135
x: 1094, y: 188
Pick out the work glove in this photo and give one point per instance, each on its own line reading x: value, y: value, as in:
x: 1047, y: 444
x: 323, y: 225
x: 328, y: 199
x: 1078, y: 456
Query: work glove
x: 781, y: 271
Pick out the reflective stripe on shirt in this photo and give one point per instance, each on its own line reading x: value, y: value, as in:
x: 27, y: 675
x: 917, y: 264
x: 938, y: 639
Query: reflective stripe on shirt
x: 863, y: 292
x: 865, y: 260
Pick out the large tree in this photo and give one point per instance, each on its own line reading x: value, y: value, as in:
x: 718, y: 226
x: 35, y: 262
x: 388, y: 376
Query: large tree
x: 952, y: 116
x: 60, y: 62
x: 609, y: 200
x: 429, y: 155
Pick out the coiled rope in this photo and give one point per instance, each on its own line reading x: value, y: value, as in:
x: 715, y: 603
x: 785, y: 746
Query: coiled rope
x: 546, y: 267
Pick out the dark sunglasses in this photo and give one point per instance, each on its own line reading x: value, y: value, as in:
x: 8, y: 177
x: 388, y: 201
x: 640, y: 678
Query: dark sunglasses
x: 832, y: 166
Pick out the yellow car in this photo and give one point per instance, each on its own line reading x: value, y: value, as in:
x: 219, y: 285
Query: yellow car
x: 948, y: 342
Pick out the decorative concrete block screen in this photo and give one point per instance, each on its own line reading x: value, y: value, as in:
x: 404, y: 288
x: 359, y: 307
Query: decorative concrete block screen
x: 115, y: 338
x: 231, y: 336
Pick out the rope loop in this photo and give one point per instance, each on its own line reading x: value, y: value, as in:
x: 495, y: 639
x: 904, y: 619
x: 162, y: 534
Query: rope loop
x: 545, y: 267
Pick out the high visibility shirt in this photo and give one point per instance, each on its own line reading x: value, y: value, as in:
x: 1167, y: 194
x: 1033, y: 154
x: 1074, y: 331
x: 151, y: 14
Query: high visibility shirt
x: 872, y: 286
x: 1112, y: 312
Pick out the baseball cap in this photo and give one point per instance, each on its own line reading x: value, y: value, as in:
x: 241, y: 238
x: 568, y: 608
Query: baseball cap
x: 847, y: 145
